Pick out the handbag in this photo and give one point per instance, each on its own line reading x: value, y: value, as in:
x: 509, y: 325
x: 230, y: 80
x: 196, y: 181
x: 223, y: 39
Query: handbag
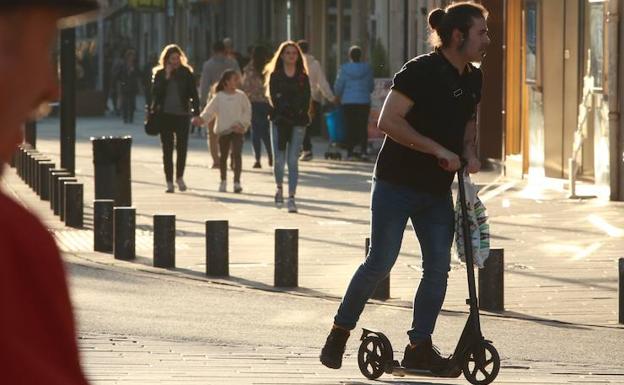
x: 153, y: 123
x: 479, y: 227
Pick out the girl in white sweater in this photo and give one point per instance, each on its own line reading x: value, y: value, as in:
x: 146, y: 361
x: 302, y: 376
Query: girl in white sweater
x: 232, y: 110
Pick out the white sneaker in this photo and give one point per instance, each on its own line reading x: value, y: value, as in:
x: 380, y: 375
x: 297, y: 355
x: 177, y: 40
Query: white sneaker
x: 292, y: 207
x: 238, y: 188
x: 170, y: 188
x: 181, y: 184
x: 222, y: 186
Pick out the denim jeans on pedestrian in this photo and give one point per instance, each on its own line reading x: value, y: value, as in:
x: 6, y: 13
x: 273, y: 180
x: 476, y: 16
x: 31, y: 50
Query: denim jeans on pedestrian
x: 432, y: 218
x: 260, y: 129
x: 290, y: 155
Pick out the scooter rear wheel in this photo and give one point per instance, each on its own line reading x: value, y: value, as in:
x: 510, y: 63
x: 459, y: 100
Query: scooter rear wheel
x: 371, y: 357
x: 481, y: 364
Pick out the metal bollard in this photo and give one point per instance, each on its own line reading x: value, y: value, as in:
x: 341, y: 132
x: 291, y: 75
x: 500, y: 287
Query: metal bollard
x: 19, y: 153
x: 621, y: 292
x: 164, y: 241
x: 491, y: 282
x: 74, y: 213
x: 60, y: 196
x: 286, y: 258
x: 217, y: 248
x: 28, y: 167
x: 53, y: 183
x: 34, y: 170
x: 124, y: 233
x: 44, y: 180
x: 382, y: 291
x: 103, y: 225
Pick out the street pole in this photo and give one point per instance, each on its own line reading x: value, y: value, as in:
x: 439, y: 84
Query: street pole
x: 68, y: 99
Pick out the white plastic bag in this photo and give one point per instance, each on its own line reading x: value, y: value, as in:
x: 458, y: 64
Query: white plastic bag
x: 479, y: 227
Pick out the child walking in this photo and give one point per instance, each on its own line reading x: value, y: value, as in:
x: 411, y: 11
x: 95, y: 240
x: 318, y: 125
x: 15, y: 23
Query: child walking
x: 232, y: 110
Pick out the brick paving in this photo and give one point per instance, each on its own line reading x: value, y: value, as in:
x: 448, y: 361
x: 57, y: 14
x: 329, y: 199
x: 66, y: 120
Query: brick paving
x: 111, y: 359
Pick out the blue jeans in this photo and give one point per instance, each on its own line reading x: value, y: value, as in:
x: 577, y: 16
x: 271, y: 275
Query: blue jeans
x: 260, y: 129
x: 290, y: 155
x: 433, y: 222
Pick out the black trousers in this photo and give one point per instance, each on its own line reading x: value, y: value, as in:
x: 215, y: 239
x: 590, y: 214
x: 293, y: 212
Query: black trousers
x: 128, y: 106
x: 315, y: 125
x: 356, y: 120
x: 176, y: 133
x: 234, y: 142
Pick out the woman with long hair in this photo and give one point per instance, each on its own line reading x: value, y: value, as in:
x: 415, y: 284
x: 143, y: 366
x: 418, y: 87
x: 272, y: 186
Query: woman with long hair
x: 288, y: 89
x: 175, y: 98
x: 254, y: 87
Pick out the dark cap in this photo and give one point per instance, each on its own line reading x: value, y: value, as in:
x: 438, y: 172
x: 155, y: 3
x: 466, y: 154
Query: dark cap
x: 72, y: 12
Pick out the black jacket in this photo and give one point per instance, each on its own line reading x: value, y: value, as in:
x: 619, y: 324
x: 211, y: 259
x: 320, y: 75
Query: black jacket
x: 188, y: 90
x: 290, y: 98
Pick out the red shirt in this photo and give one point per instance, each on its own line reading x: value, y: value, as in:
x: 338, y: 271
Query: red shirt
x: 37, y: 332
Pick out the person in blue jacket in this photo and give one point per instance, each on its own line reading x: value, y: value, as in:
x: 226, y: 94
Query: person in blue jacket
x: 353, y: 87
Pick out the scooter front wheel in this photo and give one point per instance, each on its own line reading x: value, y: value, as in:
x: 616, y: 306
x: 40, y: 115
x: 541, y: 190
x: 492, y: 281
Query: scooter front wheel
x: 371, y: 357
x: 481, y: 364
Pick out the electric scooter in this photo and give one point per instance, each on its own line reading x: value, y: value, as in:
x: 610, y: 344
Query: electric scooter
x: 475, y: 356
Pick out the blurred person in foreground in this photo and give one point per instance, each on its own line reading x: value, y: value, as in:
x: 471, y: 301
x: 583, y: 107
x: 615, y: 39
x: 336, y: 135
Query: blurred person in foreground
x: 37, y: 327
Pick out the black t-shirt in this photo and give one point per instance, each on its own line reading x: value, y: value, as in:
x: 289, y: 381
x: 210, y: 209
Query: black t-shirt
x: 444, y: 101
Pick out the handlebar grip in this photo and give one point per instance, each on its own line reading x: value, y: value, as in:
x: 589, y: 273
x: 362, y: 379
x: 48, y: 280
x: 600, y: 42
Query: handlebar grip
x: 444, y: 163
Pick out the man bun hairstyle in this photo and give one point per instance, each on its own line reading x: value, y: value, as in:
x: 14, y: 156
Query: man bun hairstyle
x: 459, y: 15
x: 435, y: 18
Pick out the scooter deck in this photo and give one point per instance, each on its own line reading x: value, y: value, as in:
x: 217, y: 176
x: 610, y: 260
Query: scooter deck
x: 400, y: 371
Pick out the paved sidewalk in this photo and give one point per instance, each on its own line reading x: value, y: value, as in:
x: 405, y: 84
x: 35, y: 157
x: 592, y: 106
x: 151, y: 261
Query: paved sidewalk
x: 111, y: 359
x: 560, y: 255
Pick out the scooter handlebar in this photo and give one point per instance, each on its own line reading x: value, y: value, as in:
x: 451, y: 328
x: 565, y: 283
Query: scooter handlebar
x: 444, y: 163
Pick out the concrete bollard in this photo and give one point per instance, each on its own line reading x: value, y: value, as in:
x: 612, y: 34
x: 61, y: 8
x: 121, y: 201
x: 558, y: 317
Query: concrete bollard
x: 44, y: 180
x: 164, y: 241
x: 53, y: 183
x: 124, y: 233
x: 492, y: 282
x: 217, y: 248
x: 286, y: 258
x: 74, y: 212
x: 621, y: 292
x: 103, y: 225
x: 60, y: 196
x: 382, y: 291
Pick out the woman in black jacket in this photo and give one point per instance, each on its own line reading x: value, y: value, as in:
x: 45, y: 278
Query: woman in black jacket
x: 289, y: 93
x: 175, y: 99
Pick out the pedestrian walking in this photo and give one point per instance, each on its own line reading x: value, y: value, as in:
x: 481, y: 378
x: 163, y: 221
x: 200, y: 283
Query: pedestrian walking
x: 174, y: 96
x: 38, y: 331
x: 254, y: 87
x: 289, y: 94
x: 129, y: 79
x: 354, y: 85
x: 429, y: 118
x: 231, y: 110
x: 211, y: 73
x: 115, y: 91
x: 319, y: 88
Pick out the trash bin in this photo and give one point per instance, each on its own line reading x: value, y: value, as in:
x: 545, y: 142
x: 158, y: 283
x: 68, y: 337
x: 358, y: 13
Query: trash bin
x: 111, y: 161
